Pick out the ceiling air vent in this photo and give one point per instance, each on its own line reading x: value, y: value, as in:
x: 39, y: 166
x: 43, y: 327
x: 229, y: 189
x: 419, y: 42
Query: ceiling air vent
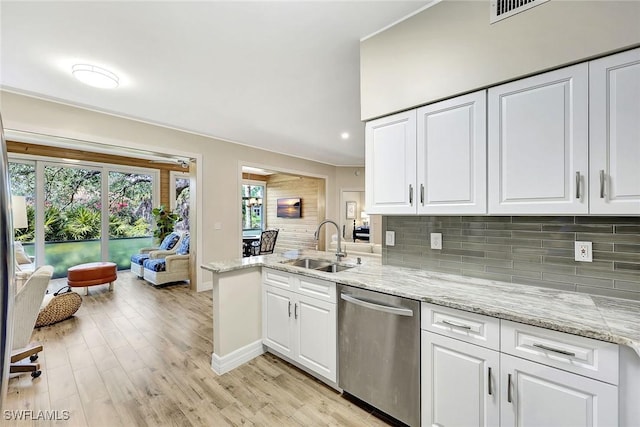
x: 501, y: 9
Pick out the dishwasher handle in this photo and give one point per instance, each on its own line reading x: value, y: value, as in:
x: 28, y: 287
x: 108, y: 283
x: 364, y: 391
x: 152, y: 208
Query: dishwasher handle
x: 378, y: 307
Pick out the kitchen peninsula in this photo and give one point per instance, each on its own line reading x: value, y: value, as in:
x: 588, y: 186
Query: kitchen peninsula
x: 238, y: 305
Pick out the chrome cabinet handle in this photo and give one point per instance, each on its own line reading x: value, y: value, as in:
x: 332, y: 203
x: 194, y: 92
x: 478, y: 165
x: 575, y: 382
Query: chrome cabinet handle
x: 411, y: 194
x: 295, y: 310
x: 555, y: 350
x: 456, y: 325
x: 289, y: 308
x: 602, y: 183
x: 422, y: 194
x: 578, y: 185
x: 489, y: 382
x: 509, y: 399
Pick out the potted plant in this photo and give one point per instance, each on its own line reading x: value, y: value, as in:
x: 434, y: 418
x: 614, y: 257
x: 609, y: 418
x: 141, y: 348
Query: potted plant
x: 165, y: 222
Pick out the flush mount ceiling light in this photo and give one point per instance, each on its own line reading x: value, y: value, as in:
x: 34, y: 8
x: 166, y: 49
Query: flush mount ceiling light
x: 95, y: 76
x: 344, y: 135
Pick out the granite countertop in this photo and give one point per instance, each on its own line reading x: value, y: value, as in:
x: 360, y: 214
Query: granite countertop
x: 608, y: 319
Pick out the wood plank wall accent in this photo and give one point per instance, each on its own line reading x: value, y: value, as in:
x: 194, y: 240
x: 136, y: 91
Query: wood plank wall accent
x: 296, y: 233
x: 57, y: 152
x: 254, y: 177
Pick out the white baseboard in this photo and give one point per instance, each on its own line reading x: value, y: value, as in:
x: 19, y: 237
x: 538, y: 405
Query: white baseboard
x: 224, y: 364
x: 206, y: 286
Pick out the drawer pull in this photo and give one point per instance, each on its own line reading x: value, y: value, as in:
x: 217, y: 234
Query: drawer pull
x: 456, y: 325
x: 555, y: 350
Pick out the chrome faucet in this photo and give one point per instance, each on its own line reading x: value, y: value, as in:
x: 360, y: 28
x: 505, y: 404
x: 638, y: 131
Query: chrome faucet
x: 339, y: 253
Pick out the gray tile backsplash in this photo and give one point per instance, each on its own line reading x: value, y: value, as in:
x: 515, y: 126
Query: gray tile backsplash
x: 530, y: 250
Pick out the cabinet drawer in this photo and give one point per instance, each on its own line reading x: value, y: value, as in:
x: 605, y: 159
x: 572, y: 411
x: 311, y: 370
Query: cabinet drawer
x: 277, y: 278
x: 584, y: 356
x: 463, y: 325
x: 316, y: 288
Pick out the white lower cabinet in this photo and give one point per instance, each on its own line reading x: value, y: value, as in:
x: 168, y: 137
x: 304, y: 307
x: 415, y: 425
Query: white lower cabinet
x: 460, y: 383
x: 299, y: 327
x: 315, y: 336
x: 465, y: 384
x: 539, y: 395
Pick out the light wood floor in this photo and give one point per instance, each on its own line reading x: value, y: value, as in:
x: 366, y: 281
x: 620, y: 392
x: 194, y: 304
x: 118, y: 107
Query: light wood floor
x: 141, y: 356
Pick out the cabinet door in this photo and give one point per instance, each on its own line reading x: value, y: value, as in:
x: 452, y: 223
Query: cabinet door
x: 538, y: 395
x: 538, y: 144
x: 460, y: 383
x: 452, y: 158
x: 316, y: 336
x: 614, y: 144
x: 277, y: 319
x: 390, y: 158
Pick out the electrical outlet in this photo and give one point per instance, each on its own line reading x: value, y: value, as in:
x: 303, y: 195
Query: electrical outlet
x: 436, y: 240
x: 390, y: 238
x: 584, y: 252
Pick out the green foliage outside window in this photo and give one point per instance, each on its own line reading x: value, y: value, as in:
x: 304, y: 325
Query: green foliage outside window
x: 72, y: 206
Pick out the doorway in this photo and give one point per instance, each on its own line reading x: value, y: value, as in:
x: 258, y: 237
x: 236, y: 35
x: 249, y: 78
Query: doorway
x: 295, y: 232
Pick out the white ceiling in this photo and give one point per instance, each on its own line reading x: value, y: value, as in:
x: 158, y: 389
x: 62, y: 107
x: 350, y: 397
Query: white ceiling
x: 283, y: 76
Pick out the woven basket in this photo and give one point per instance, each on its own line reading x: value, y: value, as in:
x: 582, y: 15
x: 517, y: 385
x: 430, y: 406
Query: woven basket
x: 61, y: 307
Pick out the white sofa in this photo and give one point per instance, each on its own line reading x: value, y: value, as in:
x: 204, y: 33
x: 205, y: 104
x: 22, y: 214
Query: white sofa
x: 23, y: 261
x: 24, y: 265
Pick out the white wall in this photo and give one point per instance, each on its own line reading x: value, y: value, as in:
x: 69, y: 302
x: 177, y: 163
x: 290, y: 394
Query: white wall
x: 219, y: 188
x: 450, y: 48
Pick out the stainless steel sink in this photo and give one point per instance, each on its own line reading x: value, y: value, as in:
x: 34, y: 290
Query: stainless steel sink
x: 310, y: 263
x: 318, y: 265
x: 333, y: 268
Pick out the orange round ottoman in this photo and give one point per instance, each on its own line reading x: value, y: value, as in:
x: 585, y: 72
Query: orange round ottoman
x: 91, y: 274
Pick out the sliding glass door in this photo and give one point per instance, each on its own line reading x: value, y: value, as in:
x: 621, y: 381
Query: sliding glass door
x: 81, y: 213
x: 129, y: 209
x: 72, y: 216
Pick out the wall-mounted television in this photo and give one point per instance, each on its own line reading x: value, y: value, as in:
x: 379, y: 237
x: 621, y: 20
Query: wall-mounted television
x: 289, y: 208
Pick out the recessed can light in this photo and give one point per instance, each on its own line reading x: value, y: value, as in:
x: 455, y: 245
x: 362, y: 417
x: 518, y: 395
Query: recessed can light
x: 344, y: 135
x: 95, y: 76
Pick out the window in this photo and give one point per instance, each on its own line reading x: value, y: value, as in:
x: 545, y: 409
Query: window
x: 253, y: 193
x: 23, y: 183
x: 179, y: 196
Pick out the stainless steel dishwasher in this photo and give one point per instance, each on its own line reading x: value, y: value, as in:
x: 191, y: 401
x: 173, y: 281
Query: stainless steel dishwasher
x: 379, y: 351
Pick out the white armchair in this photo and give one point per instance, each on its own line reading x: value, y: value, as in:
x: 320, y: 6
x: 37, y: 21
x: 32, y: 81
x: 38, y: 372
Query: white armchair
x: 169, y: 246
x: 171, y: 268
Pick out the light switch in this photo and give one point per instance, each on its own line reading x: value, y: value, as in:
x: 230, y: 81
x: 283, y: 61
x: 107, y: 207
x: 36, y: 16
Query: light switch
x: 390, y: 238
x: 436, y: 240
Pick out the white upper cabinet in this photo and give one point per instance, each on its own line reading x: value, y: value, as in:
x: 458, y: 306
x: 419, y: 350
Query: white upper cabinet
x: 429, y: 161
x: 614, y: 140
x: 538, y: 144
x: 451, y: 156
x: 390, y: 150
